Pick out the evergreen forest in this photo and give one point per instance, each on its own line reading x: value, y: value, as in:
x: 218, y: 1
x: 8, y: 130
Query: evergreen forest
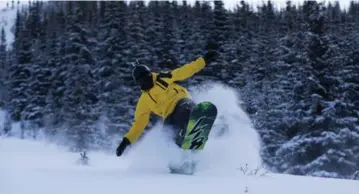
x: 67, y: 73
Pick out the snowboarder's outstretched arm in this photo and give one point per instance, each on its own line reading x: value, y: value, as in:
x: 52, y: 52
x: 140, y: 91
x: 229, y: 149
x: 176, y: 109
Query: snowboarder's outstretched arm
x: 142, y: 117
x: 188, y: 70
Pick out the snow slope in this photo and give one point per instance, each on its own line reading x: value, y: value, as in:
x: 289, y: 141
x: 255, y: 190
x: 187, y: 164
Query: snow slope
x: 29, y: 167
x: 37, y: 168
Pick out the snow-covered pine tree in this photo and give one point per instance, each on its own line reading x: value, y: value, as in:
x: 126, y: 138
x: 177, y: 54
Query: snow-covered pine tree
x: 113, y: 70
x: 239, y: 51
x: 39, y: 82
x: 325, y: 140
x: 20, y: 72
x: 186, y: 28
x: 80, y: 111
x: 221, y: 35
x: 3, y: 69
x: 138, y: 46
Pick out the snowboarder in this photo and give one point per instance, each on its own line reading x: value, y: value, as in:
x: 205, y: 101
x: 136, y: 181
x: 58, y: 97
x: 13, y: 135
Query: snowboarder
x: 164, y: 97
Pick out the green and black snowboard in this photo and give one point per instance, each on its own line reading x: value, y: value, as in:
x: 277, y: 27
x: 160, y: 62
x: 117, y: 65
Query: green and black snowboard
x: 198, y: 129
x: 199, y: 126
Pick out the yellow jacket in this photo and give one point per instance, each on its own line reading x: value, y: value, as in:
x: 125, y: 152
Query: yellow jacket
x: 162, y: 98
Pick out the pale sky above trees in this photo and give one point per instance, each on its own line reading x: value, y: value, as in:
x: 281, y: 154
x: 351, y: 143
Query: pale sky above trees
x: 231, y: 3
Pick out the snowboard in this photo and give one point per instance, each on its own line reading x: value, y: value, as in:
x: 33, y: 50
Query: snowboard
x: 199, y: 126
x: 196, y: 136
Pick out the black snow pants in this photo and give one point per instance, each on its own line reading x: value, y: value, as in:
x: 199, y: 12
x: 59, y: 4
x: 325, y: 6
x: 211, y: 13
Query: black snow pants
x: 178, y: 119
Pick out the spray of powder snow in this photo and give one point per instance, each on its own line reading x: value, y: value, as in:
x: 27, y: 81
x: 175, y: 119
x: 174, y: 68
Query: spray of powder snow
x: 233, y: 142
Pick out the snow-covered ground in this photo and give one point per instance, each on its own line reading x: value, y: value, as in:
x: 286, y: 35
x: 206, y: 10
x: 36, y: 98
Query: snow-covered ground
x: 37, y: 168
x: 29, y: 167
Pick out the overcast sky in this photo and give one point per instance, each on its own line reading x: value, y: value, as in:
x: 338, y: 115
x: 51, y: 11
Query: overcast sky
x: 231, y: 3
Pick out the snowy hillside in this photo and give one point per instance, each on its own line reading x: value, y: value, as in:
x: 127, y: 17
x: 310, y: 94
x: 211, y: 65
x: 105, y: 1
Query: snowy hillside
x: 29, y: 167
x: 37, y: 168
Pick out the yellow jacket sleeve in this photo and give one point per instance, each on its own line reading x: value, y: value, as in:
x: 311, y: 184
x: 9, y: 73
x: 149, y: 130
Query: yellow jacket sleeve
x: 142, y: 117
x: 188, y: 70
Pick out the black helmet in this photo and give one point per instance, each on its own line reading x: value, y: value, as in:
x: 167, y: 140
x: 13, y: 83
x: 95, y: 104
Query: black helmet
x: 139, y: 71
x: 142, y: 76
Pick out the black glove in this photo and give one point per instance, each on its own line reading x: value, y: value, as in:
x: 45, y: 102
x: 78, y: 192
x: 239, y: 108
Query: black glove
x: 124, y: 143
x: 211, y: 53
